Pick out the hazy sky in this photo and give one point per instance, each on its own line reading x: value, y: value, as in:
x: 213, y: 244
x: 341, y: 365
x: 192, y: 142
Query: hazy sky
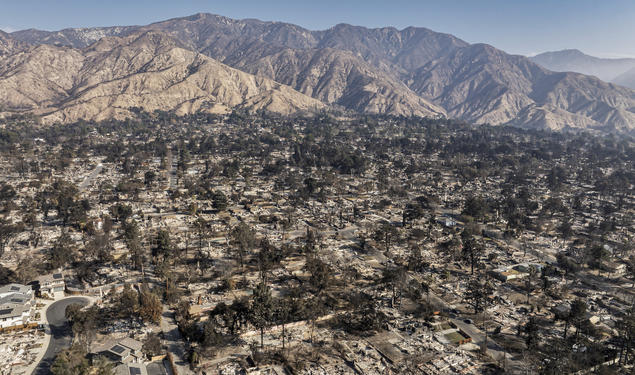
x: 599, y: 27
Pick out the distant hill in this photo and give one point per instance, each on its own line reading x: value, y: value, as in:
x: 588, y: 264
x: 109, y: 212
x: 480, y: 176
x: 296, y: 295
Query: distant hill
x: 10, y: 45
x: 626, y: 79
x: 572, y: 60
x: 414, y: 71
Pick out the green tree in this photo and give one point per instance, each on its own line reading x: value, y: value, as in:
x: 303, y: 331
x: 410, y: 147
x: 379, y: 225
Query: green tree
x: 71, y: 362
x: 211, y: 337
x: 7, y: 193
x: 219, y: 200
x: 395, y: 278
x: 63, y: 200
x: 233, y: 316
x: 63, y: 252
x: 574, y: 315
x: 387, y: 233
x: 163, y: 245
x: 127, y: 303
x: 472, y: 251
x: 149, y: 177
x: 557, y: 353
x: 152, y: 345
x: 531, y: 333
x: 475, y: 207
x: 282, y: 313
x: 566, y: 229
x: 365, y: 315
x: 320, y: 273
x: 244, y: 239
x: 150, y: 307
x: 102, y: 366
x: 83, y: 324
x: 7, y: 232
x: 413, y: 211
x: 261, y: 314
x: 596, y: 255
x: 202, y: 231
x: 556, y: 178
x: 132, y: 239
x: 577, y: 314
x: 267, y: 257
x: 529, y: 281
x: 626, y: 337
x: 121, y: 212
x: 477, y: 294
x: 567, y: 264
x: 72, y: 310
x: 27, y: 270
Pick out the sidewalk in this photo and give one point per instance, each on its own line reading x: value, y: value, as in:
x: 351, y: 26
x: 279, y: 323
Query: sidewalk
x: 47, y: 334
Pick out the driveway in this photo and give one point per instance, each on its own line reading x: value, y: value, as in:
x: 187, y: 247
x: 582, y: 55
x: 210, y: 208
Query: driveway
x: 60, y: 331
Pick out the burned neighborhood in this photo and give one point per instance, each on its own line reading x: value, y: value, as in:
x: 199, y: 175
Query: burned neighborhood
x: 257, y: 244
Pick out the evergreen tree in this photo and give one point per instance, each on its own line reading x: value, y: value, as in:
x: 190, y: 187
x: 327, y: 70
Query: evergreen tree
x: 261, y: 313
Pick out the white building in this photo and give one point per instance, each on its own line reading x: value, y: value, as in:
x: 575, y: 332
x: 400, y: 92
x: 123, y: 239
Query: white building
x: 51, y: 285
x: 517, y: 271
x: 10, y: 289
x: 16, y: 304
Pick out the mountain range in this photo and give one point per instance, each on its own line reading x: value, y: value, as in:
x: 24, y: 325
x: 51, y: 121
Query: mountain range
x: 619, y: 71
x: 213, y: 63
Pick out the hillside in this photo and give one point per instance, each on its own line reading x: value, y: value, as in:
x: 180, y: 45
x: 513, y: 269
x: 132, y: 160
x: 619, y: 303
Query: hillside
x: 414, y: 71
x: 146, y: 69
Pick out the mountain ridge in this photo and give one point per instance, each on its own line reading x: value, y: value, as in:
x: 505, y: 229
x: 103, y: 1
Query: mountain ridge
x: 626, y: 79
x: 574, y: 60
x: 147, y: 70
x: 413, y: 71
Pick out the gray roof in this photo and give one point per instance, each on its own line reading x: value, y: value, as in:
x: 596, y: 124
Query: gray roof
x: 50, y: 278
x: 15, y: 288
x: 131, y: 369
x: 131, y: 343
x: 11, y: 312
x: 15, y: 299
x: 119, y: 351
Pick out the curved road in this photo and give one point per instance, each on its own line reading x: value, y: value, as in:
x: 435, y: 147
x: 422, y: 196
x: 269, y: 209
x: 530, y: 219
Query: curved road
x: 60, y: 332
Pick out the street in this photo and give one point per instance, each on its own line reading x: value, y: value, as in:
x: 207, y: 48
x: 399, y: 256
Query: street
x: 174, y: 342
x: 60, y: 332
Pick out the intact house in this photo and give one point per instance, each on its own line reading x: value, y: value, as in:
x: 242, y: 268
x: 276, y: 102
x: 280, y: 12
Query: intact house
x: 16, y: 305
x: 51, y: 285
x: 124, y: 351
x: 517, y: 271
x: 131, y: 369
